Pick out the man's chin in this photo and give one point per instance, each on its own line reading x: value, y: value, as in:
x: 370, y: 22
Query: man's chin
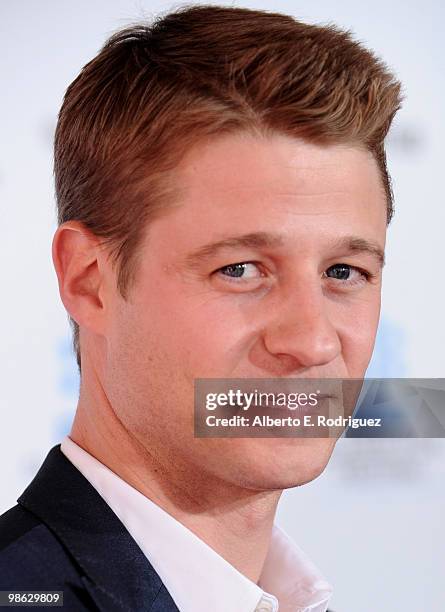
x: 282, y: 463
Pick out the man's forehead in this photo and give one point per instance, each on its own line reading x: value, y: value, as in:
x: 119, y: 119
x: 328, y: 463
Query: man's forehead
x: 244, y: 165
x: 227, y: 188
x: 277, y: 152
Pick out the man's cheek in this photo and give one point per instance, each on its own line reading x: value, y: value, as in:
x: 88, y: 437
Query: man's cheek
x: 357, y: 353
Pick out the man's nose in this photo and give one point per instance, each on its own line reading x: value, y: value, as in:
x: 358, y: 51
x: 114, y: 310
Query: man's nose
x: 301, y: 329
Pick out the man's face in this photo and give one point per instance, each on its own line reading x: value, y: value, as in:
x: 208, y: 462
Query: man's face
x: 268, y: 268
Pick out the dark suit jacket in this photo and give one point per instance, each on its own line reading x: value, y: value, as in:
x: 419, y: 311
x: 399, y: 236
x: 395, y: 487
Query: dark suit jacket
x: 62, y: 536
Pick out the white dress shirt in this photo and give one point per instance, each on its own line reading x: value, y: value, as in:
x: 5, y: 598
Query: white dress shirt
x: 197, y: 578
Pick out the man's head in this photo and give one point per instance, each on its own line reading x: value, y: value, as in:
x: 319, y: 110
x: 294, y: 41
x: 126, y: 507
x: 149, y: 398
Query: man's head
x: 221, y: 179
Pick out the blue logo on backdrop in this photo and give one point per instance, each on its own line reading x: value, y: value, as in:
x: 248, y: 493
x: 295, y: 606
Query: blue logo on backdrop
x: 68, y: 387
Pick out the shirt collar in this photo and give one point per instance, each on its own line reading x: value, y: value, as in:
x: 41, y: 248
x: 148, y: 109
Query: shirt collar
x: 181, y: 559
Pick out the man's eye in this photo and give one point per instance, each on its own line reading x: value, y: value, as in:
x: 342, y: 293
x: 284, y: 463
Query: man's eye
x: 344, y: 272
x: 244, y: 270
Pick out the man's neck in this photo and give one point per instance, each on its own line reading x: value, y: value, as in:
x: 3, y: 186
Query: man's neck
x: 233, y: 521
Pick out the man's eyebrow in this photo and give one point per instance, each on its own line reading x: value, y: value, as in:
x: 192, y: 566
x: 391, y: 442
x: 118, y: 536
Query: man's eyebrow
x: 258, y: 240
x: 253, y: 240
x: 361, y: 245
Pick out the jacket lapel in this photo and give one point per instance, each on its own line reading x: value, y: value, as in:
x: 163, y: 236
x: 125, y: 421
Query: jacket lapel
x: 116, y: 573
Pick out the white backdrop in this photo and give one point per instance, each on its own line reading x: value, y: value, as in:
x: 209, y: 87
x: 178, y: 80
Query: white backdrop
x: 374, y: 520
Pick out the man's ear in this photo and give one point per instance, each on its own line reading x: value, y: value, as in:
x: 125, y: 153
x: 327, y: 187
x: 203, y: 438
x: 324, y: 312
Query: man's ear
x: 76, y: 254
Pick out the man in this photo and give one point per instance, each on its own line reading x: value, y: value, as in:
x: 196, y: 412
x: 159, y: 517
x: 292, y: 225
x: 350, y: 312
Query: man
x: 223, y: 201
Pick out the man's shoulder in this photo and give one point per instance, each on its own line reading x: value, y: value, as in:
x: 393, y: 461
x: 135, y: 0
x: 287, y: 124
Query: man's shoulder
x: 33, y: 559
x: 63, y: 536
x: 15, y: 524
x: 30, y: 554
